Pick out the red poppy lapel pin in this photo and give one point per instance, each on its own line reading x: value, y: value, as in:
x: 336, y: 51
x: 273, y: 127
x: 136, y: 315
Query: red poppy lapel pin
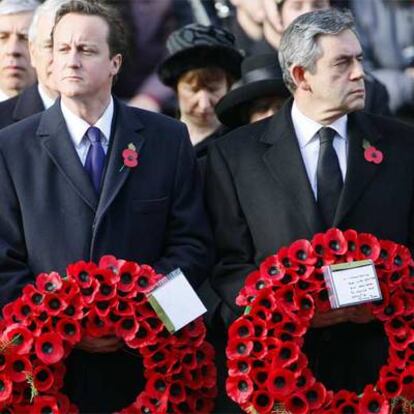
x: 130, y: 156
x: 372, y: 154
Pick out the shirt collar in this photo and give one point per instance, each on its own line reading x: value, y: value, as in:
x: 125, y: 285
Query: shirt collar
x: 3, y: 96
x: 46, y: 99
x: 306, y: 128
x: 77, y: 126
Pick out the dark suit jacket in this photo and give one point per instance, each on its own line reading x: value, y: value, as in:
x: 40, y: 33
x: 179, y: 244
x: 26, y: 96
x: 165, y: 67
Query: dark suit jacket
x: 260, y: 198
x: 50, y: 216
x: 21, y: 106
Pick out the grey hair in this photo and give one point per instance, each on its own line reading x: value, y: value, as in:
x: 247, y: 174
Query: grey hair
x: 299, y: 43
x: 48, y: 7
x: 17, y: 6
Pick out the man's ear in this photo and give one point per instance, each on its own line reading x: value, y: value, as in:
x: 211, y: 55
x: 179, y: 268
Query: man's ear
x: 116, y: 64
x: 298, y: 74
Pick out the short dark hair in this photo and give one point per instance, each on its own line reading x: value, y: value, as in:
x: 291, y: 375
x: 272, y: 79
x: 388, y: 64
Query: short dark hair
x: 117, y: 37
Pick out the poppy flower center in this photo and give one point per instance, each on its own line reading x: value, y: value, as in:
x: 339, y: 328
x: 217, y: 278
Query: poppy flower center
x: 127, y: 324
x: 83, y: 277
x: 143, y: 282
x: 106, y: 290
x: 301, y: 255
x: 47, y: 410
x: 366, y: 250
x: 262, y: 400
x: 241, y: 348
x: 243, y: 386
x: 126, y: 278
x: 285, y: 353
x: 175, y: 390
x: 37, y: 298
x: 50, y: 286
x: 242, y: 366
x: 69, y: 329
x: 243, y: 331
x: 260, y: 285
x: 18, y: 366
x: 279, y: 382
x: 70, y: 310
x: 298, y: 402
x: 391, y: 386
x: 160, y: 385
x: 312, y: 396
x: 54, y: 304
x: 2, y: 386
x: 47, y: 348
x: 348, y: 410
x: 273, y: 271
x: 42, y: 376
x: 334, y: 245
x: 374, y: 406
x: 286, y: 279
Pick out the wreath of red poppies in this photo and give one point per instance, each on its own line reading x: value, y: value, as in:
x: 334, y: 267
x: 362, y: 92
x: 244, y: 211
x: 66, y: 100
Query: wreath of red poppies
x: 41, y: 327
x: 267, y: 369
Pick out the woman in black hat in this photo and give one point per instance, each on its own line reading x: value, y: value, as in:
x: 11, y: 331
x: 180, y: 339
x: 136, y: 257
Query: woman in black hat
x: 259, y: 94
x: 201, y: 66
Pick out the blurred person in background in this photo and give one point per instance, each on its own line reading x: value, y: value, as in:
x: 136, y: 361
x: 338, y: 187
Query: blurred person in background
x: 41, y: 95
x: 386, y: 29
x: 260, y: 28
x: 202, y: 64
x: 259, y: 94
x: 16, y: 73
x: 149, y: 24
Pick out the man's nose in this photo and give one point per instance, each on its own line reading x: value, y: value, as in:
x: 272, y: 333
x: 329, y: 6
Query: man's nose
x: 357, y: 70
x: 73, y: 59
x: 15, y: 46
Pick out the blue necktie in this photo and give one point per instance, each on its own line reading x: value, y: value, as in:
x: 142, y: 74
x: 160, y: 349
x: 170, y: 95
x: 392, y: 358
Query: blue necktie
x: 329, y: 176
x: 95, y: 159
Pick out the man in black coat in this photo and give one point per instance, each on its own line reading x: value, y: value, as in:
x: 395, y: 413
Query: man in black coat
x: 40, y: 96
x: 279, y: 180
x: 56, y: 208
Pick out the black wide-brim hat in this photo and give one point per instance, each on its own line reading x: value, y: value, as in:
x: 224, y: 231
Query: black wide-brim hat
x: 261, y: 78
x: 196, y: 46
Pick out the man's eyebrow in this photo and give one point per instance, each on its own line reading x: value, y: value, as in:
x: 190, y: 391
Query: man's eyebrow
x: 348, y: 56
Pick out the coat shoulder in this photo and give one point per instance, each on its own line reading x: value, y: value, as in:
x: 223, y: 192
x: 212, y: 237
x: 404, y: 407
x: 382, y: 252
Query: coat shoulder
x: 243, y: 139
x: 6, y: 111
x: 21, y: 132
x: 156, y: 120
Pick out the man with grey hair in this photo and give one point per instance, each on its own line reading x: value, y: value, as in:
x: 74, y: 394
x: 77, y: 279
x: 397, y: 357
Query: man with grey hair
x: 40, y: 96
x: 16, y: 72
x: 303, y: 171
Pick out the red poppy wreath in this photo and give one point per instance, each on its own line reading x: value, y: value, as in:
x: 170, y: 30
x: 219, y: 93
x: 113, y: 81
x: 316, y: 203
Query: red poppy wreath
x: 268, y: 372
x: 40, y: 328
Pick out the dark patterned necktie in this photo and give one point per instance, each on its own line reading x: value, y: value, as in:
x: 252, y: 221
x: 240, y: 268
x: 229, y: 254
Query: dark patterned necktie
x: 95, y: 159
x: 328, y: 175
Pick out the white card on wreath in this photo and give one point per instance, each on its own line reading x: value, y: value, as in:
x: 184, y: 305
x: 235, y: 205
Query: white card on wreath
x: 352, y: 283
x: 175, y: 301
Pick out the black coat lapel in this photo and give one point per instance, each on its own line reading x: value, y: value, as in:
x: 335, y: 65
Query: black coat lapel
x: 285, y: 163
x: 28, y: 103
x: 56, y: 141
x: 124, y: 132
x: 359, y: 171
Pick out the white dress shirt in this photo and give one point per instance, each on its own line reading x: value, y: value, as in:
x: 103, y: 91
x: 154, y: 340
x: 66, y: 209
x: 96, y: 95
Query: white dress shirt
x: 77, y: 129
x: 46, y: 99
x: 4, y: 96
x: 306, y: 132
